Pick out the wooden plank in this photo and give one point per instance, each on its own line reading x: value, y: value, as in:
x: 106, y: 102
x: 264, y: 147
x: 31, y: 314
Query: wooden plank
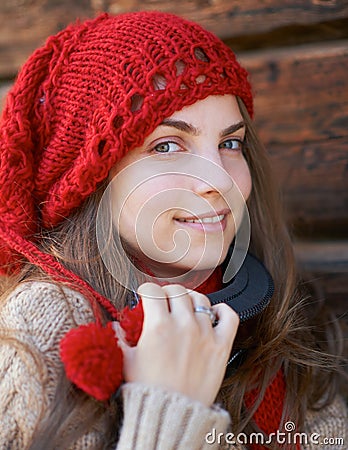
x: 301, y: 107
x: 4, y: 88
x: 242, y: 17
x: 323, y: 267
x: 331, y: 288
x: 323, y: 256
x: 313, y: 178
x: 25, y: 25
x: 304, y: 87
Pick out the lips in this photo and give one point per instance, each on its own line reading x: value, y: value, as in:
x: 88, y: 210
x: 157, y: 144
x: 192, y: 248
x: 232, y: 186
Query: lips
x: 207, y: 221
x: 213, y: 219
x: 213, y: 214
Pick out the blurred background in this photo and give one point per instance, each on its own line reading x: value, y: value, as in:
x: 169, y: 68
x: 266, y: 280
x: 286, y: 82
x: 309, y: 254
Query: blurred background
x: 297, y: 55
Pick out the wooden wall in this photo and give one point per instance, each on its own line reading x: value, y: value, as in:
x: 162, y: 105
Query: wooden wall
x: 297, y: 55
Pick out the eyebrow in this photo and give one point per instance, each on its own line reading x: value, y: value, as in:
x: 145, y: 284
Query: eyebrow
x: 233, y: 128
x: 181, y: 125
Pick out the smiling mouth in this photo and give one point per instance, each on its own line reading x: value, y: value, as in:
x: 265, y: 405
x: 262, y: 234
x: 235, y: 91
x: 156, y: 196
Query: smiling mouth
x: 214, y: 219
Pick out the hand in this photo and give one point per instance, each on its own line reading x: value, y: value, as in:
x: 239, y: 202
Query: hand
x: 179, y: 349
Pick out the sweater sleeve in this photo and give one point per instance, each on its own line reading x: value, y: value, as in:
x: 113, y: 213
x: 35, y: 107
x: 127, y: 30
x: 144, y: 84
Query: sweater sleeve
x: 327, y: 428
x: 33, y: 320
x: 159, y: 419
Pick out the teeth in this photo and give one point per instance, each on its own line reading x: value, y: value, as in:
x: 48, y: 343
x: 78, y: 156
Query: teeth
x: 214, y: 219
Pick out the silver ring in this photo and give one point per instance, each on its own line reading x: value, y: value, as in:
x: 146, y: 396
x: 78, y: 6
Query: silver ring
x: 203, y: 309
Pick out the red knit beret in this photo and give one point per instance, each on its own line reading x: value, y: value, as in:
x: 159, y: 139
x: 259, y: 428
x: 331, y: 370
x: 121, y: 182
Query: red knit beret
x: 90, y: 94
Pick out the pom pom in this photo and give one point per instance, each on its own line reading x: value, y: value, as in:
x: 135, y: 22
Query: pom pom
x: 93, y: 360
x: 131, y: 320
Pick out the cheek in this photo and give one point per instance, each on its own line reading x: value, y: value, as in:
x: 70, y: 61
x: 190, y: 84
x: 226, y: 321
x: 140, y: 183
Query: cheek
x: 246, y: 182
x: 145, y: 205
x: 241, y: 176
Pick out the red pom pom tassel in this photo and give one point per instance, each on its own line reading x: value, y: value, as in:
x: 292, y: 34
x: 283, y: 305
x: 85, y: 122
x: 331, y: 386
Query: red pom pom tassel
x: 93, y: 360
x: 131, y: 320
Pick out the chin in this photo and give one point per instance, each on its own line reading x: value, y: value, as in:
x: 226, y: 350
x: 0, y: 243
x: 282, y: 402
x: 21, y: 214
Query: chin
x: 206, y: 263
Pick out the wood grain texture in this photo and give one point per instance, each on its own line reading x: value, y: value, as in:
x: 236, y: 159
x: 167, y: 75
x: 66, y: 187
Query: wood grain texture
x: 4, y: 88
x: 240, y: 17
x: 322, y: 256
x: 298, y: 83
x: 301, y: 102
x: 25, y: 24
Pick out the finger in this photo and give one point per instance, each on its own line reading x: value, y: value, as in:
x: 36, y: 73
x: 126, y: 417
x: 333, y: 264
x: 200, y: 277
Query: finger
x: 128, y: 351
x: 154, y: 301
x: 179, y: 301
x: 227, y: 322
x: 203, y: 318
x: 121, y: 336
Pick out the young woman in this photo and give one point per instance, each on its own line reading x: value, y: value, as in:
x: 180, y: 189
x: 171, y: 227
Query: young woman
x: 138, y: 216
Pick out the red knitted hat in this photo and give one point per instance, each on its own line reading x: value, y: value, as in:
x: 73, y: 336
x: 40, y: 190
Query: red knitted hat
x: 90, y: 94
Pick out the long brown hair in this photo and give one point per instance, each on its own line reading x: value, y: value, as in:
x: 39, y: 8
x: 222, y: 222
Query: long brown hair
x: 295, y: 332
x: 282, y: 336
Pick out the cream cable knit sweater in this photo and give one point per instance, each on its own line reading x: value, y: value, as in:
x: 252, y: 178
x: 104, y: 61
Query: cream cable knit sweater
x: 38, y: 314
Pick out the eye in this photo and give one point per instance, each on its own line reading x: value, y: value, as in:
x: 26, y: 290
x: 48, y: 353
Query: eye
x: 232, y: 144
x: 167, y: 147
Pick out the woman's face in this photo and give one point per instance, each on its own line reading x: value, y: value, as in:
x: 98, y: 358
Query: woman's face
x: 174, y: 199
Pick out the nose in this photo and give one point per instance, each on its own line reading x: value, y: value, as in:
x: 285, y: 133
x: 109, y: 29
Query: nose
x: 212, y: 178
